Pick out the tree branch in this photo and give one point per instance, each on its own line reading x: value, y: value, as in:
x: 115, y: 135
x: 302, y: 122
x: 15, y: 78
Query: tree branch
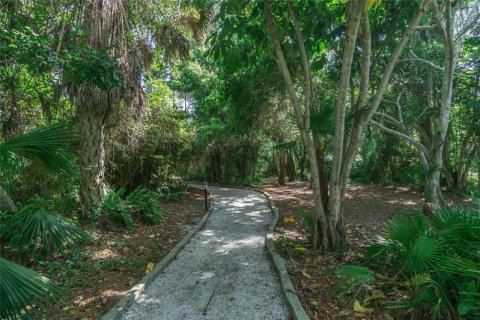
x: 433, y: 65
x: 306, y: 66
x: 417, y: 144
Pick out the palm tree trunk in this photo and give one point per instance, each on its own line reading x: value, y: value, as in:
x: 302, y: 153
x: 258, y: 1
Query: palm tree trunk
x: 92, y: 161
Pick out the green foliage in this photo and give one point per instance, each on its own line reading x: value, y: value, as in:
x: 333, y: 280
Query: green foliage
x: 387, y: 160
x: 114, y: 208
x: 49, y: 144
x: 307, y: 220
x: 141, y: 203
x: 22, y: 291
x: 144, y: 203
x: 355, y: 282
x: 39, y: 229
x: 285, y: 244
x: 83, y: 65
x: 435, y: 259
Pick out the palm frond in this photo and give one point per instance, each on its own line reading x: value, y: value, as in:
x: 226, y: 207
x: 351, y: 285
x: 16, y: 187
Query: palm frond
x: 22, y: 290
x: 35, y: 227
x: 354, y: 280
x: 460, y: 228
x: 322, y: 119
x: 173, y: 41
x: 48, y: 144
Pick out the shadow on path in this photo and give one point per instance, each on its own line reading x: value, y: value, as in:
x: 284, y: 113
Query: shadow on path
x: 223, y: 272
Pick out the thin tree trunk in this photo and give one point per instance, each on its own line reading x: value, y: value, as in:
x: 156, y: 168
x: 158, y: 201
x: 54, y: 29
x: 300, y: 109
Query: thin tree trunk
x: 322, y: 172
x: 281, y: 168
x: 291, y: 170
x: 335, y: 201
x: 92, y: 158
x: 302, y: 115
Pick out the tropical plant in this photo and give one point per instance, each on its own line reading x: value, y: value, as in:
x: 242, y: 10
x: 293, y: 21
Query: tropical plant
x: 22, y: 291
x: 144, y: 203
x: 355, y: 282
x: 434, y: 259
x: 48, y: 144
x: 37, y: 228
x: 115, y: 209
x: 109, y: 28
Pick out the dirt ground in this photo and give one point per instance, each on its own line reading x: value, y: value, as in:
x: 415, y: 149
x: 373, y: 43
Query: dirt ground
x: 93, y: 278
x: 367, y: 208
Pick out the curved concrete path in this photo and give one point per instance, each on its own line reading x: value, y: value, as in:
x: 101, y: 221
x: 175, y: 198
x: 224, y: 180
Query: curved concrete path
x: 223, y: 272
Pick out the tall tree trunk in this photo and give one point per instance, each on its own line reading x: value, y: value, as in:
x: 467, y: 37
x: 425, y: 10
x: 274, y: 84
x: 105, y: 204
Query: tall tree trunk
x: 92, y: 160
x: 302, y: 116
x: 356, y: 8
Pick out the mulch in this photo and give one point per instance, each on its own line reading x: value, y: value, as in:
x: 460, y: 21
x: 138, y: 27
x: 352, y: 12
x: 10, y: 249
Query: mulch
x: 367, y: 209
x: 93, y: 278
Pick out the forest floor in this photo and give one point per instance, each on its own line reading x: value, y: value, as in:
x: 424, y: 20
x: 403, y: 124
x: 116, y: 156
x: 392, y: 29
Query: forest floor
x: 93, y: 278
x: 367, y: 209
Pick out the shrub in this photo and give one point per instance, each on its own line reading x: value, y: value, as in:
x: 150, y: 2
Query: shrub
x: 144, y: 202
x: 22, y: 291
x: 434, y: 259
x: 37, y: 228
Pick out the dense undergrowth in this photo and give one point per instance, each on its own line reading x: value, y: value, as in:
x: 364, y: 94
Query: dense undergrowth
x: 431, y: 262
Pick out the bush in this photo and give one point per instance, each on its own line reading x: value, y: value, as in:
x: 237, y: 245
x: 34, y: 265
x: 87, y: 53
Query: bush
x: 37, y: 228
x: 22, y: 291
x: 434, y: 259
x: 144, y: 203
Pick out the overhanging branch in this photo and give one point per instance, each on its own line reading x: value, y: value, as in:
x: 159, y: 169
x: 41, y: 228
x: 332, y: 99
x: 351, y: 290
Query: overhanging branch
x: 417, y: 144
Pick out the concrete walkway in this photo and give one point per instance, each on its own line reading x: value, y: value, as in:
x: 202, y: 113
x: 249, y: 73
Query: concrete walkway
x: 223, y: 272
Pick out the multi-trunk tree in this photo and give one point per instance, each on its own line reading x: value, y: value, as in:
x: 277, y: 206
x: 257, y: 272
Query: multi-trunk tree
x: 328, y: 220
x: 450, y: 23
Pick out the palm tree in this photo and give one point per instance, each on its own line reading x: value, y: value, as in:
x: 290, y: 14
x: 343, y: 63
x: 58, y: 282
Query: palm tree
x: 128, y: 32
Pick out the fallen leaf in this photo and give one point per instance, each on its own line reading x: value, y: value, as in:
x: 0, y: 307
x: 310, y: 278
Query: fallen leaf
x: 287, y: 219
x: 357, y: 307
x: 306, y: 275
x: 149, y: 267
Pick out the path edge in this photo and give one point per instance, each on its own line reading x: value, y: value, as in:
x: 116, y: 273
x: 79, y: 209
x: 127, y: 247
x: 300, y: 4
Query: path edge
x: 291, y: 298
x: 133, y: 294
